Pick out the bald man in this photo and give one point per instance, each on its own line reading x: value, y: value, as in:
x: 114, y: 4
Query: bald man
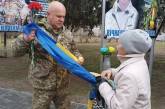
x: 56, y: 15
x: 49, y: 80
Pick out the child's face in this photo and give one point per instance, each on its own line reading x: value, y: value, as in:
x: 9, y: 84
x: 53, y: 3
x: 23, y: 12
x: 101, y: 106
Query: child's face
x: 124, y: 1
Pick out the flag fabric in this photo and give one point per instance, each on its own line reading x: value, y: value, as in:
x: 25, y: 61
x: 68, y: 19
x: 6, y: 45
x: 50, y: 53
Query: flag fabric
x: 58, y: 54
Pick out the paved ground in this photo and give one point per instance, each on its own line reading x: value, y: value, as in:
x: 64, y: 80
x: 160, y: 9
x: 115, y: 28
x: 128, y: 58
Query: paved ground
x: 12, y: 99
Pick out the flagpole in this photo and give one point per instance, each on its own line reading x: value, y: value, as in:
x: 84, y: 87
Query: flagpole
x: 151, y: 58
x: 105, y: 59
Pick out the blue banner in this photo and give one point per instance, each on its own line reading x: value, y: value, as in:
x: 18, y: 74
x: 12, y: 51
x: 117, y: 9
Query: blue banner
x: 116, y: 33
x: 11, y: 28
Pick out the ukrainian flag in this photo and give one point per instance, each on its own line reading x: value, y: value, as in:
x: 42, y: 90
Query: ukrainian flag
x: 59, y: 54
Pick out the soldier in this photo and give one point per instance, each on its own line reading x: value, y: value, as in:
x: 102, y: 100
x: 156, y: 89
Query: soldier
x: 49, y: 80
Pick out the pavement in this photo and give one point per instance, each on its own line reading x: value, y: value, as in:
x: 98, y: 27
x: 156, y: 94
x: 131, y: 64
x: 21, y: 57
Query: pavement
x: 12, y: 99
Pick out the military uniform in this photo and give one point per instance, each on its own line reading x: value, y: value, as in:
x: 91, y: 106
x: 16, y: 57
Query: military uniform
x: 49, y: 80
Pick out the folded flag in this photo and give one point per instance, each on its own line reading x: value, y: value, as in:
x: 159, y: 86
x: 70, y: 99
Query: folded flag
x: 59, y: 54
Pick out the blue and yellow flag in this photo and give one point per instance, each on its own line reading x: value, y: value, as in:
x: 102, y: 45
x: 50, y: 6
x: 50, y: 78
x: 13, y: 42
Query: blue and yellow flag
x: 58, y: 54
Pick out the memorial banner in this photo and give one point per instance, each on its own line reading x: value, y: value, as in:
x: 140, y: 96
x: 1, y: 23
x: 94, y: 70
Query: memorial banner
x: 44, y: 5
x: 129, y: 14
x: 12, y: 14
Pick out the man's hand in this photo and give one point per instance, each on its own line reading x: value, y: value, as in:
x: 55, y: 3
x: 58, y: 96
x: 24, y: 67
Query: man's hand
x: 80, y: 60
x: 31, y: 36
x: 106, y: 74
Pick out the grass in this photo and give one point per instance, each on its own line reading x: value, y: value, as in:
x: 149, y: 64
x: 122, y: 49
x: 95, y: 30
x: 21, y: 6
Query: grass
x: 92, y: 57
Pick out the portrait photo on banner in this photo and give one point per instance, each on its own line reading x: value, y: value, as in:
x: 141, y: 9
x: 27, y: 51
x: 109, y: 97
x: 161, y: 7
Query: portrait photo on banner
x: 121, y: 17
x: 12, y: 14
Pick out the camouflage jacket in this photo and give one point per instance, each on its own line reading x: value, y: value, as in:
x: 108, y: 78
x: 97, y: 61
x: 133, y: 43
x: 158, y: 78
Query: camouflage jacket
x: 47, y: 74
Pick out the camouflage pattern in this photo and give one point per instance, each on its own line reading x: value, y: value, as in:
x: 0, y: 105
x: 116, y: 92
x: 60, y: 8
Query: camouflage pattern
x: 49, y: 80
x: 42, y: 99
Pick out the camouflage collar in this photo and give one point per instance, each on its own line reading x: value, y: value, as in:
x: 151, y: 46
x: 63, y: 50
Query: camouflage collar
x: 56, y: 33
